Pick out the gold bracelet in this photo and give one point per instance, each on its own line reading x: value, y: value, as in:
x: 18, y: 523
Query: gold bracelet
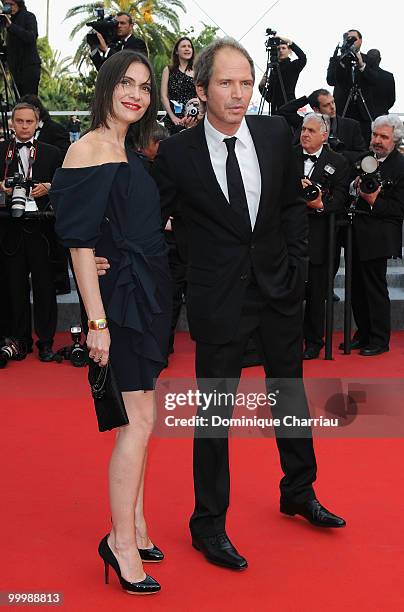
x: 98, y: 324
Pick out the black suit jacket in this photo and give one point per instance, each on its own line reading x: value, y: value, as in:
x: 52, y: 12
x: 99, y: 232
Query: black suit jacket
x: 53, y: 133
x: 341, y: 77
x: 379, y: 232
x: 22, y: 53
x: 384, y: 92
x: 348, y: 130
x: 47, y: 161
x: 223, y: 252
x: 133, y: 43
x: 334, y: 201
x: 290, y: 71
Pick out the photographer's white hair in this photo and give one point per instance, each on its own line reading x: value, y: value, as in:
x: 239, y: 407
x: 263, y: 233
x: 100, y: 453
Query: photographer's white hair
x: 394, y: 122
x: 322, y: 120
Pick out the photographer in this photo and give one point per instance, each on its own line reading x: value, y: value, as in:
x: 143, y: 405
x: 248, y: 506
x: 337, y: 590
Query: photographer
x: 289, y: 71
x: 26, y: 243
x: 345, y: 135
x: 384, y: 91
x: 124, y: 39
x: 354, y: 80
x: 377, y: 236
x: 22, y: 54
x: 328, y: 173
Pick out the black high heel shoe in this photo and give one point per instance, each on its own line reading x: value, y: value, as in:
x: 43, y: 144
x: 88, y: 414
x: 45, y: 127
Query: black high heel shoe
x: 145, y: 587
x: 151, y: 555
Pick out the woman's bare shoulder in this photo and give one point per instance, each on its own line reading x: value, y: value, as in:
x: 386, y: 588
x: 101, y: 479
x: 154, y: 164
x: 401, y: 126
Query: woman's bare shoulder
x: 82, y: 153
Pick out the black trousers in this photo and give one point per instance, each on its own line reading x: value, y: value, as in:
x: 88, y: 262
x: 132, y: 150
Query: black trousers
x: 279, y: 338
x: 28, y: 81
x: 370, y: 300
x: 178, y: 270
x: 314, y: 313
x: 31, y: 257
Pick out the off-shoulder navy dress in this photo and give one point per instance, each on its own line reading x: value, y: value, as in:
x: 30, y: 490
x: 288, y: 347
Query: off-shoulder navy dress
x: 114, y: 208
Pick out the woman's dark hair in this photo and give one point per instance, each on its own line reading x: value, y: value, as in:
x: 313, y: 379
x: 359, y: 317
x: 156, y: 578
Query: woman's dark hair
x: 35, y: 101
x: 111, y: 73
x: 175, y: 60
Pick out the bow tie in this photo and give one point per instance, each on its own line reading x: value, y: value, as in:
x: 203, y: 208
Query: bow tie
x: 312, y: 158
x: 28, y: 144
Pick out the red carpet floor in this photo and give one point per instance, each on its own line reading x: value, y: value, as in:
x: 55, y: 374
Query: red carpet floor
x: 54, y: 506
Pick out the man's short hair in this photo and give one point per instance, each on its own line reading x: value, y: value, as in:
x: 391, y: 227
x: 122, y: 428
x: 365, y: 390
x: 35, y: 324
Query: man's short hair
x: 159, y: 132
x: 355, y: 30
x: 373, y: 57
x: 322, y: 120
x: 394, y: 122
x: 203, y: 65
x: 21, y: 106
x: 123, y: 14
x: 314, y: 96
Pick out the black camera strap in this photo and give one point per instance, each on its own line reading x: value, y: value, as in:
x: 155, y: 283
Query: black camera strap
x: 11, y: 152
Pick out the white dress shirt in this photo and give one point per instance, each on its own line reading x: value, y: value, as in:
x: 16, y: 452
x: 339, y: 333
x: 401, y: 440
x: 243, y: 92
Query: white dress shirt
x: 308, y: 164
x: 247, y: 160
x: 24, y: 157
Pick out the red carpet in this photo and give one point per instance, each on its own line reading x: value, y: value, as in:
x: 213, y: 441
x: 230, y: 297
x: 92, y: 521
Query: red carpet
x: 54, y: 506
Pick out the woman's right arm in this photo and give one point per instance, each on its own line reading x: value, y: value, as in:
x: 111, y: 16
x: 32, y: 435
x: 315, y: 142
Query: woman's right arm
x: 164, y: 97
x: 98, y: 341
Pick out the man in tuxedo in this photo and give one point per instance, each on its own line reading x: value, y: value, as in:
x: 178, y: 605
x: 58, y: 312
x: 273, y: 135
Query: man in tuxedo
x: 124, y: 40
x: 289, y: 71
x: 384, y: 90
x: 346, y: 70
x: 237, y: 179
x: 319, y: 165
x: 25, y: 244
x: 345, y: 135
x: 377, y: 236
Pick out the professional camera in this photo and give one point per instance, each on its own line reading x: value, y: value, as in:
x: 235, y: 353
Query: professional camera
x: 311, y: 192
x: 77, y: 353
x: 191, y: 108
x: 369, y: 175
x: 272, y: 43
x: 106, y: 26
x: 21, y: 191
x: 5, y: 9
x: 12, y: 349
x: 348, y: 50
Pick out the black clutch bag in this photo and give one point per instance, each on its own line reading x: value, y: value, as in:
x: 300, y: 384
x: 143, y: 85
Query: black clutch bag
x: 108, y: 402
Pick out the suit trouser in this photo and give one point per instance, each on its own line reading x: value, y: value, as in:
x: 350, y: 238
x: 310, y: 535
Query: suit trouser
x: 28, y: 82
x: 279, y: 338
x: 31, y: 256
x: 178, y: 270
x: 314, y: 312
x: 370, y: 300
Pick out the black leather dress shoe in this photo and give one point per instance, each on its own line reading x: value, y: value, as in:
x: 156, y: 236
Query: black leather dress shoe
x: 314, y: 512
x: 151, y: 555
x: 45, y: 352
x: 311, y: 352
x: 373, y: 349
x: 220, y: 551
x: 355, y: 345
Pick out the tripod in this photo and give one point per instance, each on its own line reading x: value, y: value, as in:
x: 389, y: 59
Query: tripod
x: 10, y: 93
x: 354, y: 93
x: 272, y: 64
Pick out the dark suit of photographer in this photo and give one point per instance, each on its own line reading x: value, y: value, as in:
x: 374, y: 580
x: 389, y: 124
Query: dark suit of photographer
x: 384, y: 90
x: 289, y: 71
x: 377, y: 236
x: 26, y: 244
x: 22, y: 54
x: 340, y: 73
x: 313, y: 155
x: 124, y: 40
x: 347, y: 136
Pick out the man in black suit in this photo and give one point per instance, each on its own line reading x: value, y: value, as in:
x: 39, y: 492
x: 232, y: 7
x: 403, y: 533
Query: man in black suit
x: 377, y: 236
x: 22, y: 54
x: 238, y: 183
x: 345, y: 70
x: 289, y: 71
x: 319, y: 165
x: 124, y: 40
x: 345, y: 134
x: 25, y: 244
x: 384, y: 90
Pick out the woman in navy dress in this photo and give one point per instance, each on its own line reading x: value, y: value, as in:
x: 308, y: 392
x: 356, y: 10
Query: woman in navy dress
x: 107, y: 204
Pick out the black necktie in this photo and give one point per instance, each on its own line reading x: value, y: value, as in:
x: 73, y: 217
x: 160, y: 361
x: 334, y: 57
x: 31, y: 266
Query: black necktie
x: 235, y: 185
x: 312, y: 158
x: 28, y: 144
